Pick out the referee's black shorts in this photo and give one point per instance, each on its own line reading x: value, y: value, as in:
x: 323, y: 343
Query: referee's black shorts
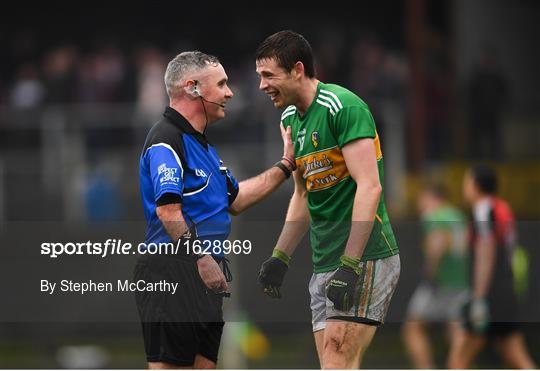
x: 178, y: 327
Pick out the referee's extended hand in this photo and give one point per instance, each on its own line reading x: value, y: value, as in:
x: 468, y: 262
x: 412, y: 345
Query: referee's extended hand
x: 211, y: 274
x: 288, y: 145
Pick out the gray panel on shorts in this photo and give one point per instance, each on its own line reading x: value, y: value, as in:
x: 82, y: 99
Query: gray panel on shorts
x: 376, y: 290
x: 436, y: 305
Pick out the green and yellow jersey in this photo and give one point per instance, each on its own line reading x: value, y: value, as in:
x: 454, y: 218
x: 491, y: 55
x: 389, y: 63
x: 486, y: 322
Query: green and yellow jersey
x: 335, y: 117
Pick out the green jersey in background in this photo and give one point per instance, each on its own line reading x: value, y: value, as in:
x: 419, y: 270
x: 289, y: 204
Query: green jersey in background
x: 453, y: 269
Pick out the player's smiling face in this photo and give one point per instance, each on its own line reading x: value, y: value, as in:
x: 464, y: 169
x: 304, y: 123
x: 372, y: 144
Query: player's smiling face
x: 276, y: 82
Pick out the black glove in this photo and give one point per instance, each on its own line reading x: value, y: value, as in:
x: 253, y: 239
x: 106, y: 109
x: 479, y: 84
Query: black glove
x: 342, y: 287
x: 272, y: 273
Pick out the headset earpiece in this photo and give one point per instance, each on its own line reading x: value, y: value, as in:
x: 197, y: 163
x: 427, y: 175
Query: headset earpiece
x: 194, y: 90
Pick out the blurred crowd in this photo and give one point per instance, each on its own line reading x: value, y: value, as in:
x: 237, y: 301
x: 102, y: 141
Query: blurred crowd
x: 110, y: 74
x: 66, y: 75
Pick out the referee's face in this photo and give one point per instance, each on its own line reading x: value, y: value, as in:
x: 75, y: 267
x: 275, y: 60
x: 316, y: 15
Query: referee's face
x: 276, y: 82
x: 215, y: 91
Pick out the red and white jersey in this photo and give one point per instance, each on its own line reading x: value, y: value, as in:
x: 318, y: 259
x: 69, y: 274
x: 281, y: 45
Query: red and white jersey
x: 493, y: 217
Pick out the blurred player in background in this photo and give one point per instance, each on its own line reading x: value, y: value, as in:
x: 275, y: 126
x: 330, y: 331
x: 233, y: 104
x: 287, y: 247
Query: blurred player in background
x: 492, y: 312
x: 338, y: 188
x: 443, y: 290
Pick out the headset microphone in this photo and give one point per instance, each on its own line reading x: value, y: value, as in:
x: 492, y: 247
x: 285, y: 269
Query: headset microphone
x: 209, y: 101
x: 195, y: 92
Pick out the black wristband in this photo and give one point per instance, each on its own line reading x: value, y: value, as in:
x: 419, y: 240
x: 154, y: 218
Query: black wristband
x: 290, y: 162
x: 191, y: 251
x: 284, y: 168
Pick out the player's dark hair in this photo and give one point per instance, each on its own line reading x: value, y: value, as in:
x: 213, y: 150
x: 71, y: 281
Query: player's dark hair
x: 485, y: 178
x: 287, y: 47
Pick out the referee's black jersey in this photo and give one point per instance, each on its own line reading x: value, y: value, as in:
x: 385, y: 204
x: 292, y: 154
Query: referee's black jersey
x: 178, y: 163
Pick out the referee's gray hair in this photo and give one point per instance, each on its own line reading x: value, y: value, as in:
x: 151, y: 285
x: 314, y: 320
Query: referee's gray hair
x: 181, y: 66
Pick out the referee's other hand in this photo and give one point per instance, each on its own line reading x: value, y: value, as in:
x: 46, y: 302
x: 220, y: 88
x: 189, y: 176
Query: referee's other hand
x: 211, y: 274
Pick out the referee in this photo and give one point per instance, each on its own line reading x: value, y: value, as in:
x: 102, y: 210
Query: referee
x: 187, y: 195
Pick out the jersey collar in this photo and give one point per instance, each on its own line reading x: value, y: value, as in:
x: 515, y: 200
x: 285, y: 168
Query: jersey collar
x: 310, y: 108
x: 176, y: 118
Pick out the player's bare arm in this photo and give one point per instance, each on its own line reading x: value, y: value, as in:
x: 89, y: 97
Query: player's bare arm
x: 297, y: 219
x: 483, y: 265
x: 254, y: 190
x: 361, y: 162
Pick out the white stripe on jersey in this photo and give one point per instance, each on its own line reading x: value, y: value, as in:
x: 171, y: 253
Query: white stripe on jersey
x: 326, y: 105
x: 287, y: 115
x: 173, y: 152
x: 333, y: 96
x: 288, y: 111
x: 199, y: 190
x: 330, y: 101
x: 291, y: 107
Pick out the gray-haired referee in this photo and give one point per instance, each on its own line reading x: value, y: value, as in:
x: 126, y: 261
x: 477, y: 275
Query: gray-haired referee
x: 186, y: 187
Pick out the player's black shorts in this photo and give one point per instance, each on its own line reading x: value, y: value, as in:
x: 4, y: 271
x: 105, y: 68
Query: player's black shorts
x: 503, y: 312
x: 502, y: 329
x: 496, y: 329
x: 178, y: 327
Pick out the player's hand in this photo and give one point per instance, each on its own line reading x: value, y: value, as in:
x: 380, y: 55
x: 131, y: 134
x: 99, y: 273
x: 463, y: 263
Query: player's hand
x: 211, y: 274
x: 479, y: 315
x: 342, y: 287
x: 288, y: 147
x: 272, y: 273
